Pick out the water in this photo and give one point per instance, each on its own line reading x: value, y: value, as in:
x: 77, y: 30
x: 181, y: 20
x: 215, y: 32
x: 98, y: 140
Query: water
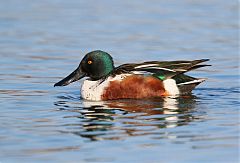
x: 43, y: 41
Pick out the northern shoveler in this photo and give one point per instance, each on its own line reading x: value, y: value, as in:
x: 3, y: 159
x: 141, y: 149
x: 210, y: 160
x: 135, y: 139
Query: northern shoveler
x: 135, y: 80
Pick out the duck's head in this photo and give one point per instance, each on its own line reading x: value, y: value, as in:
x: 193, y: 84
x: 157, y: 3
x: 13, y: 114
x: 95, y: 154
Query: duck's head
x: 96, y: 65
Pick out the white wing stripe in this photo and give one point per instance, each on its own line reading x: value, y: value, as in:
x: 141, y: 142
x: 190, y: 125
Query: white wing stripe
x: 192, y: 82
x: 148, y: 65
x: 161, y: 68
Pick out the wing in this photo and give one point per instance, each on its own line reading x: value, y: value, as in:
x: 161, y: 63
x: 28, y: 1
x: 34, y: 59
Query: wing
x: 161, y: 69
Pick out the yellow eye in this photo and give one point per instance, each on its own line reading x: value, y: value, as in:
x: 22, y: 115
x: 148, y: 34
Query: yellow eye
x: 89, y: 62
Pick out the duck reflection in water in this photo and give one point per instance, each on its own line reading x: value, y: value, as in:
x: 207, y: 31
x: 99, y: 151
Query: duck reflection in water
x: 122, y: 118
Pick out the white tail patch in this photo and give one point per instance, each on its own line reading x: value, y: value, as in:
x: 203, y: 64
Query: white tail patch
x: 171, y: 87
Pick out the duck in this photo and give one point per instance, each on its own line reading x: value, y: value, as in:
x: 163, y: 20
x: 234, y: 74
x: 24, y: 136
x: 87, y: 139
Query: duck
x: 149, y: 79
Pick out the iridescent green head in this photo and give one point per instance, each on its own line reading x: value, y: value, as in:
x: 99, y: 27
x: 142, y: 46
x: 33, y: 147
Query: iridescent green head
x: 96, y: 65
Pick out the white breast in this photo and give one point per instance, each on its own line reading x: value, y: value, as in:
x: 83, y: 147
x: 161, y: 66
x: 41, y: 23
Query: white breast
x: 93, y: 90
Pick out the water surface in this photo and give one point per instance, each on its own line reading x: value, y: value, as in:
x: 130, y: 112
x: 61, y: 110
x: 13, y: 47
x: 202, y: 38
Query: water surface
x: 43, y: 41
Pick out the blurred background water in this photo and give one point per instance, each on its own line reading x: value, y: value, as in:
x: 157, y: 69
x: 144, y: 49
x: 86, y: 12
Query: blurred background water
x: 43, y: 41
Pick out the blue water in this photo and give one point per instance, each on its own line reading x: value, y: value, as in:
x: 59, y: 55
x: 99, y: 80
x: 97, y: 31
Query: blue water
x: 43, y: 41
